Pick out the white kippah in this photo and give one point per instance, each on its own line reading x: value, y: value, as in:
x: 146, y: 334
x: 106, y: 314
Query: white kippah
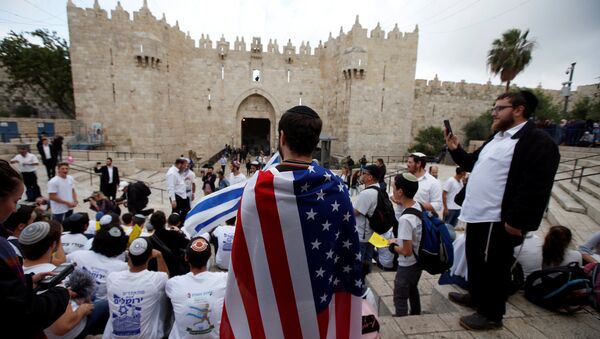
x: 410, y: 177
x: 34, y: 233
x: 138, y: 246
x: 105, y: 220
x: 419, y: 154
x: 115, y: 231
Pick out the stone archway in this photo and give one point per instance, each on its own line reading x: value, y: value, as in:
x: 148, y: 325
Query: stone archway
x: 256, y: 120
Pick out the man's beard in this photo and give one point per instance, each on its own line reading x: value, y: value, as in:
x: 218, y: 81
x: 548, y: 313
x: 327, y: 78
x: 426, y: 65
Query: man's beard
x: 503, y: 124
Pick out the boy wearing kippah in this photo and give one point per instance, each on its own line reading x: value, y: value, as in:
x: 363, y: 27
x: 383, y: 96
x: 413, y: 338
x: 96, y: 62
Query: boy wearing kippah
x: 406, y: 245
x: 136, y: 297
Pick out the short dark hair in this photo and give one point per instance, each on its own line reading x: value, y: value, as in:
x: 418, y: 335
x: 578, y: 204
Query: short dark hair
x: 9, y: 178
x: 409, y: 188
x: 139, y: 260
x: 78, y: 222
x: 127, y: 218
x: 35, y: 251
x: 195, y: 258
x: 230, y: 221
x: 158, y: 220
x: 302, y: 127
x: 109, y: 158
x: 21, y: 216
x: 174, y: 219
x: 521, y: 98
x: 419, y: 159
x: 62, y: 163
x: 180, y: 161
x: 138, y: 221
x: 460, y: 170
x: 108, y: 243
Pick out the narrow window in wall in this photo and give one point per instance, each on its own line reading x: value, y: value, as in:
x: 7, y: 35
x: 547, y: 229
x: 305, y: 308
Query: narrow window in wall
x: 382, y: 96
x: 114, y: 93
x: 256, y: 75
x: 289, y: 75
x: 222, y: 72
x: 111, y: 57
x: 384, y: 72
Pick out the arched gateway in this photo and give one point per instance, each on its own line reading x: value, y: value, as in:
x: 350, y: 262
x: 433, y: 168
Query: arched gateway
x: 256, y: 119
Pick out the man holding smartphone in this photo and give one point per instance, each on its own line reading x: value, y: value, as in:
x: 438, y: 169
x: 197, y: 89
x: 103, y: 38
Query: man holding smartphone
x: 509, y: 188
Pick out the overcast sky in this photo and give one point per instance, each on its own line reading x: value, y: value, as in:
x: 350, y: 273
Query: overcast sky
x: 454, y: 35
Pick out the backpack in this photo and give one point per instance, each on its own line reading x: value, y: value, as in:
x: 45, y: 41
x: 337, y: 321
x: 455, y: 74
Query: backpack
x: 593, y: 272
x: 384, y: 217
x: 563, y: 289
x: 436, y: 252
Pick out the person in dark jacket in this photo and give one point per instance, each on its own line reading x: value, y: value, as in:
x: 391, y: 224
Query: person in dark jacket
x: 509, y: 188
x: 24, y: 313
x: 208, y: 181
x: 109, y: 178
x: 48, y: 155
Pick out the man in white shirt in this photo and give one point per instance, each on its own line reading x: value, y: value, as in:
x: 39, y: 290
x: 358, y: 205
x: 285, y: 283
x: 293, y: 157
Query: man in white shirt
x: 197, y: 297
x: 430, y: 190
x: 61, y: 192
x: 509, y: 188
x: 235, y: 176
x: 136, y: 297
x: 224, y: 242
x: 451, y: 187
x: 410, y: 227
x: 189, y: 177
x: 28, y: 163
x: 176, y: 189
x: 363, y: 208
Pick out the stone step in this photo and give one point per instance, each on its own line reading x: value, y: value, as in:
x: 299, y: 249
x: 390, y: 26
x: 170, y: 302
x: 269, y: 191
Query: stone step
x: 588, y: 201
x: 590, y: 188
x: 595, y: 180
x: 565, y: 200
x: 581, y: 225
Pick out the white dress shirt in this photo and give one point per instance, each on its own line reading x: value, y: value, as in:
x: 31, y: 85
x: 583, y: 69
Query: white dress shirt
x: 110, y: 174
x: 27, y: 163
x: 175, y: 183
x: 487, y: 182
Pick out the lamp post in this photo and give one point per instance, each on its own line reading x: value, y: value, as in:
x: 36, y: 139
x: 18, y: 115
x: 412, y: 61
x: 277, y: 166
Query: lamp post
x: 566, y: 90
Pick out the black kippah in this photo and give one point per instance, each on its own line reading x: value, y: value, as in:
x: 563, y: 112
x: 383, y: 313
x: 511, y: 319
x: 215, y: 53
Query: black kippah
x: 530, y: 99
x: 303, y: 110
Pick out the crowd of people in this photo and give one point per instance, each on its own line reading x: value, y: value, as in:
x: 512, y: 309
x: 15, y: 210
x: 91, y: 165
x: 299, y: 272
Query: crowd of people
x: 302, y: 236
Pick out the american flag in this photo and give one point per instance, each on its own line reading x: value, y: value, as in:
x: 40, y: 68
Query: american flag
x: 295, y: 265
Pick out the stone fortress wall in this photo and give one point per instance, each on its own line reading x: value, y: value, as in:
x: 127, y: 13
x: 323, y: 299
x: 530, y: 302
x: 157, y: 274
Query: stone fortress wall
x: 155, y: 89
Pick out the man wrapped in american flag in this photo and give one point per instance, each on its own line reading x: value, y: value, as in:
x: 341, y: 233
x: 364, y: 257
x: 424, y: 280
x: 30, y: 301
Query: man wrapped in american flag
x: 295, y: 262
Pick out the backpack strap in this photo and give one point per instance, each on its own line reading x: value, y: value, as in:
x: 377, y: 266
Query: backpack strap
x: 413, y: 211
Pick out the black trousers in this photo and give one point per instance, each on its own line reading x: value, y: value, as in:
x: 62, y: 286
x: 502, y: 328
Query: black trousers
x: 110, y: 191
x: 31, y: 185
x: 50, y: 168
x: 489, y: 251
x: 183, y: 207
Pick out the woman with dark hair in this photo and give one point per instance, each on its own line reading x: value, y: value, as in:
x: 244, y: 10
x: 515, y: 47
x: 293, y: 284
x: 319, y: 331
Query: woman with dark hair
x: 26, y: 312
x: 171, y: 243
x: 110, y: 241
x: 555, y: 251
x: 75, y: 240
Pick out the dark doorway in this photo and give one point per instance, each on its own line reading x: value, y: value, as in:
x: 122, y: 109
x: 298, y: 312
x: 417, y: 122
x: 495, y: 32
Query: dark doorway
x: 256, y: 135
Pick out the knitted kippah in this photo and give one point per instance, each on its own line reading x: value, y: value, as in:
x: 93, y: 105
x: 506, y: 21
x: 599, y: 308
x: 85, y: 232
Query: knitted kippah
x: 199, y: 245
x: 138, y: 246
x: 115, y: 231
x: 105, y: 220
x: 409, y: 177
x: 303, y: 110
x: 34, y: 233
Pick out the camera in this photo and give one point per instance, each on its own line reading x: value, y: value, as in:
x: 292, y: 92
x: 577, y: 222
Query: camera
x: 88, y: 199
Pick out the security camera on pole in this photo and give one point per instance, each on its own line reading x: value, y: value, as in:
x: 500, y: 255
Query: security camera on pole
x: 566, y: 90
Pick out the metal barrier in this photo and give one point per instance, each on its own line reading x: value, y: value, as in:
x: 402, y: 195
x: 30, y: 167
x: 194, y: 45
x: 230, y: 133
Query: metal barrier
x: 91, y: 172
x: 115, y: 155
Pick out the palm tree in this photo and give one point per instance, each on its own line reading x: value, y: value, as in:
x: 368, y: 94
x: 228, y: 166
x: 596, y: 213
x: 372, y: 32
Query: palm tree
x: 510, y: 55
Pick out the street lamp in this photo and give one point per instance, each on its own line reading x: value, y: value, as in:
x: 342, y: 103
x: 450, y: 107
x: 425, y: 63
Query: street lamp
x: 566, y: 90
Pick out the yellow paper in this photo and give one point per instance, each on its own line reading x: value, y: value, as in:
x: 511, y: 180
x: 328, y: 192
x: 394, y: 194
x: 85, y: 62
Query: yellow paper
x: 378, y: 241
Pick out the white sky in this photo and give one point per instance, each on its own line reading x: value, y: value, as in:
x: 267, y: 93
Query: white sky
x: 454, y: 35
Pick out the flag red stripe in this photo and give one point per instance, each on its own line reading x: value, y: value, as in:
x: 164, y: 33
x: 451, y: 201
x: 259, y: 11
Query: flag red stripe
x: 272, y: 234
x: 242, y: 268
x: 225, y: 331
x: 343, y: 307
x: 323, y: 320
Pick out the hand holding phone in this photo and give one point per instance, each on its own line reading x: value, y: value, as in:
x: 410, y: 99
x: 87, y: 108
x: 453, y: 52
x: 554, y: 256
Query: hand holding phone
x: 448, y: 128
x: 60, y: 273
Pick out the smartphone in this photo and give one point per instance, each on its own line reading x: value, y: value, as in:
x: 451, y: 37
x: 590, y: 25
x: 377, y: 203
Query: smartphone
x: 62, y: 271
x: 447, y: 125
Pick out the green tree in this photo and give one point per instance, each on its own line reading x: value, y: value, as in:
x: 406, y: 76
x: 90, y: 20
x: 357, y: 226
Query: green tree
x: 547, y: 108
x: 582, y: 108
x: 45, y: 67
x: 510, y: 55
x: 429, y: 141
x: 479, y: 128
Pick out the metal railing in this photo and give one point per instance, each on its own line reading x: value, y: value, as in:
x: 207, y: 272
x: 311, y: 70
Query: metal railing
x: 389, y: 158
x: 115, y: 155
x: 580, y: 170
x: 91, y: 172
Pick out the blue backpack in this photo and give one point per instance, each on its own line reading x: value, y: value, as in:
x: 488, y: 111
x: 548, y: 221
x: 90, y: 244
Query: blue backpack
x: 436, y: 253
